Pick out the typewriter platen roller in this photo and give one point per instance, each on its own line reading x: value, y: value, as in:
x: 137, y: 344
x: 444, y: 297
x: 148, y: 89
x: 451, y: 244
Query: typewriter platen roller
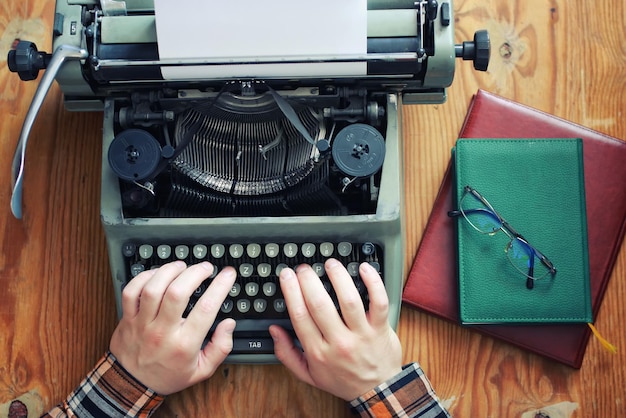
x: 309, y: 161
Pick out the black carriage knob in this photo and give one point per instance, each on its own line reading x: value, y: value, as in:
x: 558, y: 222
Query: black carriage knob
x: 26, y: 60
x: 478, y: 50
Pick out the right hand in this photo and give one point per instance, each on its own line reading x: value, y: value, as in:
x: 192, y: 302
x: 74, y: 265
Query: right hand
x: 344, y: 356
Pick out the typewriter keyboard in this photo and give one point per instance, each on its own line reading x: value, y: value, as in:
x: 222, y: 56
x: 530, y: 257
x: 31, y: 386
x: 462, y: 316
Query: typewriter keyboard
x: 255, y: 300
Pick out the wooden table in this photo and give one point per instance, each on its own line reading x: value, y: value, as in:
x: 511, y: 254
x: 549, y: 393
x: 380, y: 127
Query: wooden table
x: 565, y: 57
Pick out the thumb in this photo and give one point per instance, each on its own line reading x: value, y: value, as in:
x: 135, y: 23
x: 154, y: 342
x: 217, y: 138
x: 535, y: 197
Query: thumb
x: 290, y: 355
x: 220, y: 346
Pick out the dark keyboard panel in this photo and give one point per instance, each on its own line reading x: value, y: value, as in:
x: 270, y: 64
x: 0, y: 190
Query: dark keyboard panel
x: 255, y: 300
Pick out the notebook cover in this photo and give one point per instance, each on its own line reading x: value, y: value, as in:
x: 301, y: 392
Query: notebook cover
x: 537, y: 186
x: 432, y: 285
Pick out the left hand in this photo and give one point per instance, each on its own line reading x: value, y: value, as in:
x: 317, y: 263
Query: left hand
x: 159, y: 347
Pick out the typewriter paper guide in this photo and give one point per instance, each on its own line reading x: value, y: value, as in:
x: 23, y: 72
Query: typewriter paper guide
x: 249, y: 29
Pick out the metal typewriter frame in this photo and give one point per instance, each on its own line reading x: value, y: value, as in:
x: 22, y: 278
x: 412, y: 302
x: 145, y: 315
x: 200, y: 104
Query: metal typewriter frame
x: 385, y: 227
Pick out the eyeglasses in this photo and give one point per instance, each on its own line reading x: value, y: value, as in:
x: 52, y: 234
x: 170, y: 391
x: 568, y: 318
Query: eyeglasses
x: 479, y: 213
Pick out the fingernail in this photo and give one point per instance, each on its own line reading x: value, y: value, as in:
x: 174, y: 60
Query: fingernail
x: 287, y: 274
x: 230, y: 329
x: 332, y: 263
x: 229, y: 272
x: 206, y: 265
x: 368, y: 268
x: 274, y: 335
x: 301, y: 267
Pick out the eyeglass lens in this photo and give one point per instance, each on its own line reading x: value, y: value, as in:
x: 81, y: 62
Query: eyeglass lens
x: 482, y: 217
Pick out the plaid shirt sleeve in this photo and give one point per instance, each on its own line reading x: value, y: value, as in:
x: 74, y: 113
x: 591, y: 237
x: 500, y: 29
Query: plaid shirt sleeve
x: 108, y: 391
x: 408, y: 394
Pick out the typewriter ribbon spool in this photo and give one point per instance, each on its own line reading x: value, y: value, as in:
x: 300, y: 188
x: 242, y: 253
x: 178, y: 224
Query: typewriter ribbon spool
x: 359, y: 150
x: 134, y: 155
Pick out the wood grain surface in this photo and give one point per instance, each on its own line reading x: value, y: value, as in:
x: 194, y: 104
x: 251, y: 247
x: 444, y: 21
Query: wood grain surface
x: 565, y: 57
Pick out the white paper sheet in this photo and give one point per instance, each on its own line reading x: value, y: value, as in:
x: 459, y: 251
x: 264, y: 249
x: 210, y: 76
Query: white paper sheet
x: 247, y: 29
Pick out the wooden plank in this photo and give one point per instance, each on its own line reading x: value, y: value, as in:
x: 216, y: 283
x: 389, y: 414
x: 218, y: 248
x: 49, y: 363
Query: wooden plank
x: 57, y: 311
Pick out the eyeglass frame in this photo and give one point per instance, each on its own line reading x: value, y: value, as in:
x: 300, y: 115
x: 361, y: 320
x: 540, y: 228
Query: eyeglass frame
x: 507, y: 229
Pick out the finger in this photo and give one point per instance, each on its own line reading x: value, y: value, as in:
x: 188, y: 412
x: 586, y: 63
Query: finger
x: 132, y: 291
x: 303, y: 323
x: 319, y: 303
x: 176, y: 297
x: 218, y: 348
x: 352, y: 309
x: 152, y: 293
x: 378, y: 301
x: 204, y: 312
x: 291, y: 356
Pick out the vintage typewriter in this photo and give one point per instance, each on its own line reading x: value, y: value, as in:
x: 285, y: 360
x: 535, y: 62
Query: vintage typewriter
x: 258, y: 161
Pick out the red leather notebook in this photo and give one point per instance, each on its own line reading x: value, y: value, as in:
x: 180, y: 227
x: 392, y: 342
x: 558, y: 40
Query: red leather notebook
x: 432, y: 283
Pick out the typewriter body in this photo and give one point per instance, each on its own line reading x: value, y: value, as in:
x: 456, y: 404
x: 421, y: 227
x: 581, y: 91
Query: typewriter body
x: 251, y: 170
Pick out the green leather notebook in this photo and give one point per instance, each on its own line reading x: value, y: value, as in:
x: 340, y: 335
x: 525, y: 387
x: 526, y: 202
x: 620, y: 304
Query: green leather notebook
x: 521, y: 231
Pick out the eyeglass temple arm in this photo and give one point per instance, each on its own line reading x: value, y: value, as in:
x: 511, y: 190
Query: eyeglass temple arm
x: 453, y: 213
x: 530, y: 282
x: 545, y: 260
x: 512, y: 231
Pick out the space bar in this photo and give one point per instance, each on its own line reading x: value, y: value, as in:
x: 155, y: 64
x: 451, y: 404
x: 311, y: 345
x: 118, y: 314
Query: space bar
x: 244, y: 325
x: 247, y: 325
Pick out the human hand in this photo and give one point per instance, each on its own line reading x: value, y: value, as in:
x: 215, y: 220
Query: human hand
x: 346, y: 357
x: 155, y: 343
